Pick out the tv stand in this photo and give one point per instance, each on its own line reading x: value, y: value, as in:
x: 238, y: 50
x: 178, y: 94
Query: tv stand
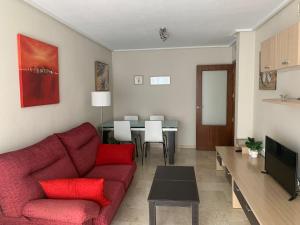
x: 293, y: 197
x: 263, y: 200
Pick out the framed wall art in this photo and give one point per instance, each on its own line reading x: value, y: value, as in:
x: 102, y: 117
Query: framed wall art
x: 101, y: 76
x: 138, y: 79
x: 38, y: 72
x: 160, y: 80
x: 268, y: 80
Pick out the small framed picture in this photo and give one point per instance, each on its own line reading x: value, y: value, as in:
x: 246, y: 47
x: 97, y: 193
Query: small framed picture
x: 138, y: 79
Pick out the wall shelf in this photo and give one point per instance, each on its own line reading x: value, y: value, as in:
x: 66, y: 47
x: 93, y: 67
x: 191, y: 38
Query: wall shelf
x: 291, y: 101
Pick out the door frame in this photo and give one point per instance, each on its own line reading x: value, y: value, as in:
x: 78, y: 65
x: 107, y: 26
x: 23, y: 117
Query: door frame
x: 230, y: 99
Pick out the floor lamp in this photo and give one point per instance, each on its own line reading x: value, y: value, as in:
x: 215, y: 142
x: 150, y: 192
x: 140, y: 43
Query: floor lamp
x: 101, y: 99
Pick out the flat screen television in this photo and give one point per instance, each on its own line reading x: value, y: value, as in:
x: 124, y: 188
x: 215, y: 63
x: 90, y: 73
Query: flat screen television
x: 282, y: 164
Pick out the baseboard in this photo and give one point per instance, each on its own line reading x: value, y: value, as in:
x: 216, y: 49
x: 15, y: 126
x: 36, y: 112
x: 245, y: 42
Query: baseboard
x: 155, y: 145
x: 186, y: 146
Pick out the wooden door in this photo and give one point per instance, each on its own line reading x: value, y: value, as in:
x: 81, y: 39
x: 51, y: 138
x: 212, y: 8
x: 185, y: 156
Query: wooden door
x: 215, y: 106
x: 268, y: 54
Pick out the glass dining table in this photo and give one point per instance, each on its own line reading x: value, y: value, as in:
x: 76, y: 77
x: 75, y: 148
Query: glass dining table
x: 169, y: 127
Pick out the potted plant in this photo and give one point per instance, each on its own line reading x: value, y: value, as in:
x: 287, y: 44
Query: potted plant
x: 254, y: 146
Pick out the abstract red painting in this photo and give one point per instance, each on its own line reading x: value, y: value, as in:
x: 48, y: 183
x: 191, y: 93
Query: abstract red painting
x: 38, y: 72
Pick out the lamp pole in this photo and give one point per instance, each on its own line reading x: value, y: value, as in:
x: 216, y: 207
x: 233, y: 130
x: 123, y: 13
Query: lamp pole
x: 102, y: 124
x: 101, y: 99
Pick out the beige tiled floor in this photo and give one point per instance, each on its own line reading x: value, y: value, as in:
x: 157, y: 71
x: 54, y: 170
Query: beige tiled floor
x: 214, y: 190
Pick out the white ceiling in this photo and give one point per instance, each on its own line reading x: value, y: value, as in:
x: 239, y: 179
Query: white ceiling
x: 134, y: 24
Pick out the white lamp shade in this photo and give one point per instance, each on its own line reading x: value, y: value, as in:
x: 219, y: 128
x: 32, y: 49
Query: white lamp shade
x: 101, y: 98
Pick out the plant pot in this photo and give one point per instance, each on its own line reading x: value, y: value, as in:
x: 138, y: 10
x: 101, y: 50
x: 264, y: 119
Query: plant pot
x: 253, y: 154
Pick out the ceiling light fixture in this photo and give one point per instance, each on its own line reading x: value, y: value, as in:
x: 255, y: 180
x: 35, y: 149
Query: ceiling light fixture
x: 163, y: 33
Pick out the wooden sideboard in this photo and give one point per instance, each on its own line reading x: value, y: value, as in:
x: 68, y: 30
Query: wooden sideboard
x: 263, y: 200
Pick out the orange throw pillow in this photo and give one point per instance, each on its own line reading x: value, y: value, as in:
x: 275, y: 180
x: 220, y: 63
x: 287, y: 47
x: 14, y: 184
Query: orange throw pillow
x: 77, y: 188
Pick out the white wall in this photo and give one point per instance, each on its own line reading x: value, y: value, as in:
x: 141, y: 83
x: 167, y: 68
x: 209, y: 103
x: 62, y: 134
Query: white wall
x: 245, y: 64
x: 177, y: 101
x: 279, y: 121
x: 20, y: 127
x: 233, y: 51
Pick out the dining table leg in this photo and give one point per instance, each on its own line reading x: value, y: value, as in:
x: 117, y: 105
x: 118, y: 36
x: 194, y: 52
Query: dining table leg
x: 171, y: 146
x: 105, y: 136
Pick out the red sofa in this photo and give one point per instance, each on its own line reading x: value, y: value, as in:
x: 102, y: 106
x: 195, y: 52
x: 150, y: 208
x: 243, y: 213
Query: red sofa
x: 66, y: 155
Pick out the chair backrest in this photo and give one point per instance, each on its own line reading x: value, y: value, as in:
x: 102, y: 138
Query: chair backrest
x: 131, y: 118
x: 157, y: 117
x: 153, y: 131
x: 122, y: 131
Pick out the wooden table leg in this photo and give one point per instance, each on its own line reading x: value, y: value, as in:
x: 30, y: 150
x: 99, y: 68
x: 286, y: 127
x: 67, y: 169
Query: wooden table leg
x: 171, y: 146
x: 195, y: 213
x: 152, y: 213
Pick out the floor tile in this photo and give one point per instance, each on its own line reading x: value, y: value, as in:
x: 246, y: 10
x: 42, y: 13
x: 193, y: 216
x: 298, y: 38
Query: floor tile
x: 214, y: 190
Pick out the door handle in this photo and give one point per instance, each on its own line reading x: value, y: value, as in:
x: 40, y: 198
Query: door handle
x: 197, y: 107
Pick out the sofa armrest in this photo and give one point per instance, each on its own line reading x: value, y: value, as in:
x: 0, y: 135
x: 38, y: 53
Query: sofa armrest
x: 69, y: 211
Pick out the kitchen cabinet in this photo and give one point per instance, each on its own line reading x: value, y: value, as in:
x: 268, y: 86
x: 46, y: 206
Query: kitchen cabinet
x: 282, y: 50
x: 268, y: 54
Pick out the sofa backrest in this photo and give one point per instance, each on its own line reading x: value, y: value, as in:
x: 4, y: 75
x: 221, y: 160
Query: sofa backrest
x: 21, y: 170
x: 82, y: 145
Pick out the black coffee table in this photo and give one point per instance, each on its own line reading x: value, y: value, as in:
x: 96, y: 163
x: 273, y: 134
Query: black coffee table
x: 174, y: 186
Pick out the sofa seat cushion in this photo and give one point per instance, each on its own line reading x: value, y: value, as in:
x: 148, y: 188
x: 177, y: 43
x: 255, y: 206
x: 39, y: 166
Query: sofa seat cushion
x: 122, y: 173
x: 70, y: 211
x: 82, y: 145
x: 109, y: 154
x: 21, y: 170
x: 115, y: 191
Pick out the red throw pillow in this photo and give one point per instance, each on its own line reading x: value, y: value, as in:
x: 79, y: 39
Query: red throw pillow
x: 115, y: 154
x: 78, y: 188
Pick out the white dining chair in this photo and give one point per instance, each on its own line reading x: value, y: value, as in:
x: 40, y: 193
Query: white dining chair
x: 136, y: 134
x: 157, y: 117
x: 131, y: 117
x: 161, y: 118
x: 154, y: 134
x: 122, y: 133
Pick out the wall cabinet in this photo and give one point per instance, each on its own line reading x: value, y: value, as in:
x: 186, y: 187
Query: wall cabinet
x: 288, y: 47
x: 282, y: 50
x: 268, y: 55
